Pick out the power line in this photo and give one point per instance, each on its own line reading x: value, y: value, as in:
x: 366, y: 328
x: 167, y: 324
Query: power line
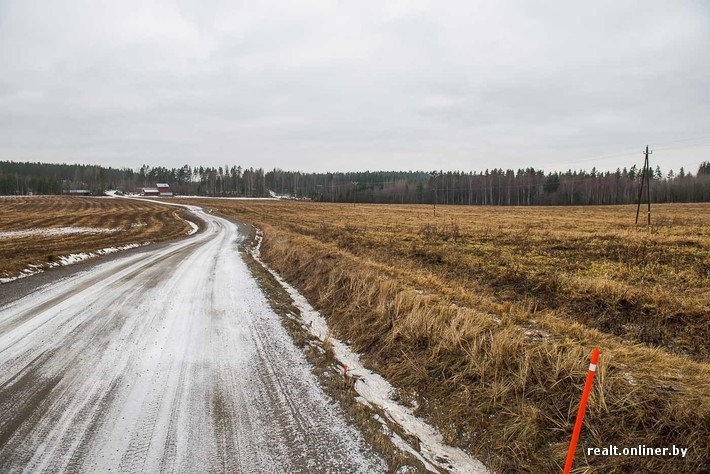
x: 645, y: 177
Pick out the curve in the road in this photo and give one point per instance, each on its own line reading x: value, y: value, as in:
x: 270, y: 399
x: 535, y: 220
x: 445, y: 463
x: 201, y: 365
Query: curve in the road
x: 164, y: 361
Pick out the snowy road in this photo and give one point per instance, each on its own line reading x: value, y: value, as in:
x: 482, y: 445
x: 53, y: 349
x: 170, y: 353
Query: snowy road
x: 164, y: 361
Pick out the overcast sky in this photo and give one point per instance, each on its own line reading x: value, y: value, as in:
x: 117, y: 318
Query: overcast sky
x: 356, y: 85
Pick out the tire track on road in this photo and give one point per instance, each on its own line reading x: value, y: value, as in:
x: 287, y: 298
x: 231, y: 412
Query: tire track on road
x: 164, y: 362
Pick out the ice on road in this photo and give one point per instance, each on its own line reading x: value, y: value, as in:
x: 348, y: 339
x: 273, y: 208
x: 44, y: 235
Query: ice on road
x: 164, y: 361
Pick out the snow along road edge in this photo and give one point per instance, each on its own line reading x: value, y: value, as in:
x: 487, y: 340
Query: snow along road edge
x: 375, y: 390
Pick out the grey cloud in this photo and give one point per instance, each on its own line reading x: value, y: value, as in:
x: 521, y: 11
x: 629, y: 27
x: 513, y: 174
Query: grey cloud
x: 352, y: 85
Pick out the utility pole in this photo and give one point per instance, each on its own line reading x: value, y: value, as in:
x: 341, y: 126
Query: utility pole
x: 645, y: 176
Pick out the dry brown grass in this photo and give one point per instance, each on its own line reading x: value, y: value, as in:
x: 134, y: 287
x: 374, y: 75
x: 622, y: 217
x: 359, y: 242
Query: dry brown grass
x: 488, y: 316
x: 330, y: 373
x: 136, y: 221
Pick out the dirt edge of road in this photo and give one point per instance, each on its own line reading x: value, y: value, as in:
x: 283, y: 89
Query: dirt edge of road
x: 329, y: 370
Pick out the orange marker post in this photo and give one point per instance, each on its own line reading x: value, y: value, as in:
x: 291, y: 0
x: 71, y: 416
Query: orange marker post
x: 580, y: 412
x: 345, y: 370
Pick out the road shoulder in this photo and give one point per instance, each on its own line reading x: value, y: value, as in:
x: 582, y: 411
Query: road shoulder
x: 327, y: 369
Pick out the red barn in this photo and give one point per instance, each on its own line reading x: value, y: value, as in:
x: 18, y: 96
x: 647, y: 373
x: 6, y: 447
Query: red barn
x: 164, y: 189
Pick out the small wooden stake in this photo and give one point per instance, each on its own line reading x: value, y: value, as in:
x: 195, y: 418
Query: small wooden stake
x: 580, y: 412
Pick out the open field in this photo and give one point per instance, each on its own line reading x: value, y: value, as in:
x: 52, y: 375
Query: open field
x: 484, y: 318
x: 37, y: 232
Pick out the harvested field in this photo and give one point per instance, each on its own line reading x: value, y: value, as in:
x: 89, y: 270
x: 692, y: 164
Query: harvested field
x: 485, y: 317
x: 39, y: 232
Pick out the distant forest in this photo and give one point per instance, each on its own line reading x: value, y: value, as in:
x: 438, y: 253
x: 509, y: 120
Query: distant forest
x: 44, y: 178
x: 492, y: 187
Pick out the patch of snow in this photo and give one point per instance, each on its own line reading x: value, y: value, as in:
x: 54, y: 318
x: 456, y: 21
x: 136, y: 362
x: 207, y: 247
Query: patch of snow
x: 14, y: 234
x: 81, y: 256
x: 289, y: 197
x: 536, y: 334
x: 74, y: 258
x: 234, y: 198
x: 376, y: 390
x: 406, y: 470
x: 193, y: 227
x: 23, y: 274
x: 402, y: 445
x: 64, y: 260
x: 629, y: 378
x: 286, y: 196
x: 9, y: 198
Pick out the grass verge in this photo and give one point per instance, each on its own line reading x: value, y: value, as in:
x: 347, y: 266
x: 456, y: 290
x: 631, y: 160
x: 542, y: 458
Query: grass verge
x: 330, y: 375
x: 494, y: 385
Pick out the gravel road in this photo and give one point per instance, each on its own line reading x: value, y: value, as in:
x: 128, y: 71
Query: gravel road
x: 168, y: 360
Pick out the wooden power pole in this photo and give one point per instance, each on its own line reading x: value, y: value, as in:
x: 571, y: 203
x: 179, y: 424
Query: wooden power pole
x: 645, y: 177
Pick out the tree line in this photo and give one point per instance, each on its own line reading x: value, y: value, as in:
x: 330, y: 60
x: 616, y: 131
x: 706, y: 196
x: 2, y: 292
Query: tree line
x: 46, y: 178
x: 492, y: 187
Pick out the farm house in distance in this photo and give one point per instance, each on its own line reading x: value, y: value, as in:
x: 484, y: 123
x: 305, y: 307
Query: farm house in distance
x: 164, y: 189
x: 160, y: 189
